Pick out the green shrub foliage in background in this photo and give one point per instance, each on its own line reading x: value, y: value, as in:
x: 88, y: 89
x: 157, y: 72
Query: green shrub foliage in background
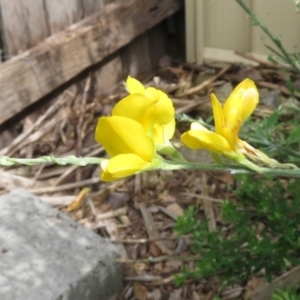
x: 261, y: 232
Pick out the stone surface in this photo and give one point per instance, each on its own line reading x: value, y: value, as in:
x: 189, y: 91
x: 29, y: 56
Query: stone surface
x: 44, y: 255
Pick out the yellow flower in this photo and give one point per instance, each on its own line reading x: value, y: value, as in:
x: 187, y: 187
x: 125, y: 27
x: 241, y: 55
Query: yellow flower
x: 228, y: 120
x: 130, y: 149
x: 140, y: 124
x: 152, y: 108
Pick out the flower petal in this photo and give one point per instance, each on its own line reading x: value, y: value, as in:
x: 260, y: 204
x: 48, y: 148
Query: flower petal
x: 250, y: 99
x: 121, y: 135
x: 162, y: 134
x: 240, y: 103
x: 122, y: 165
x: 218, y: 113
x: 201, y: 138
x: 164, y: 106
x: 134, y: 86
x: 136, y: 107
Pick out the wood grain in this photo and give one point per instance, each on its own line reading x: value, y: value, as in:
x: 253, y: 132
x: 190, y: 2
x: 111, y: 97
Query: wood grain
x: 23, y: 25
x: 35, y: 73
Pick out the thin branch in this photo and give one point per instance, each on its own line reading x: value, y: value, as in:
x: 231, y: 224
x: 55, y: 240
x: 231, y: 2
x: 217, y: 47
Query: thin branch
x: 274, y: 39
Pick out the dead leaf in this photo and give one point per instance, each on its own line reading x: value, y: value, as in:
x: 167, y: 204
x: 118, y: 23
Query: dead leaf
x: 79, y: 200
x: 140, y: 292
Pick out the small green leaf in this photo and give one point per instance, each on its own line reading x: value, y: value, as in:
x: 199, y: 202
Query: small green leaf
x: 272, y: 120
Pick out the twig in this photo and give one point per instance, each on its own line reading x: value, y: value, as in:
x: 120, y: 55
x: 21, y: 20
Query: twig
x: 260, y: 61
x: 158, y: 259
x: 145, y: 241
x: 53, y: 189
x: 152, y: 229
x: 51, y: 110
x: 273, y: 86
x: 190, y: 106
x: 274, y: 39
x: 108, y: 215
x: 204, y: 84
x: 207, y: 198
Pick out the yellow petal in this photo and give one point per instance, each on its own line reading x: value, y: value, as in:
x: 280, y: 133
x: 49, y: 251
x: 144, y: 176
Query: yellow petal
x: 121, y: 135
x: 134, y: 86
x: 250, y: 99
x: 136, y: 107
x: 201, y: 138
x: 122, y: 165
x: 199, y: 127
x: 240, y: 104
x: 169, y: 129
x: 162, y: 134
x: 218, y: 113
x: 164, y: 106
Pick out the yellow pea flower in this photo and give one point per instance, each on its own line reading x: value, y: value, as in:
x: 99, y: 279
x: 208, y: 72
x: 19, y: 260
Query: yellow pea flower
x: 140, y: 124
x: 130, y: 149
x: 228, y: 120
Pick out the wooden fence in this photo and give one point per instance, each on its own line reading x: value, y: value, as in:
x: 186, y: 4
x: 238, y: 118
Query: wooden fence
x: 55, y: 40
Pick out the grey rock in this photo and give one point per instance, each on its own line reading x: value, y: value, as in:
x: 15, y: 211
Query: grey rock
x: 44, y: 255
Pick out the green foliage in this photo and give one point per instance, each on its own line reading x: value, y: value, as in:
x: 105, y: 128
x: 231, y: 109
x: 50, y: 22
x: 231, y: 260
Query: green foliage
x: 286, y: 294
x: 262, y: 232
x: 278, y: 135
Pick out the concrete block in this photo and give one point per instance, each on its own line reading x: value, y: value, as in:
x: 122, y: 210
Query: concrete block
x: 44, y: 255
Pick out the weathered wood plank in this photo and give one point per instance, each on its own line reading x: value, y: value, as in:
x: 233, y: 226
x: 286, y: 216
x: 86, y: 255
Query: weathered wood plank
x: 61, y: 14
x: 91, y: 6
x: 38, y: 71
x: 24, y: 24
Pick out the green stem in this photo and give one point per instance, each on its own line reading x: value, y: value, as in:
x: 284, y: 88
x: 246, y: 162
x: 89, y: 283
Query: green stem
x: 170, y: 165
x: 164, y: 165
x: 274, y: 39
x: 67, y: 160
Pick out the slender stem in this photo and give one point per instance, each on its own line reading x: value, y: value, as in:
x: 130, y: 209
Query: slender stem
x: 275, y: 40
x: 170, y: 165
x: 67, y: 160
x: 164, y: 165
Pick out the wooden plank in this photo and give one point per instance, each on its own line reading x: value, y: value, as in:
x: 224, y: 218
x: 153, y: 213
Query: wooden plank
x: 91, y: 6
x: 108, y: 76
x: 38, y: 71
x: 61, y: 15
x: 24, y: 25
